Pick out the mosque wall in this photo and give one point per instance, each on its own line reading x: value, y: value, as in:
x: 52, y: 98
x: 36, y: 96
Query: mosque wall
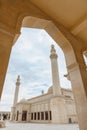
x: 56, y: 106
x: 58, y: 109
x: 71, y: 111
x: 40, y: 111
x: 40, y: 98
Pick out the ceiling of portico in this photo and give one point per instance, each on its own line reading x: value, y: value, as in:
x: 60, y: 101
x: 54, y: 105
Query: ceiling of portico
x: 67, y: 12
x: 71, y: 13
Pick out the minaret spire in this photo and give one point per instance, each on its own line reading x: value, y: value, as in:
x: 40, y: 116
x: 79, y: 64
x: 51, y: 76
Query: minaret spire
x: 16, y: 90
x: 55, y: 72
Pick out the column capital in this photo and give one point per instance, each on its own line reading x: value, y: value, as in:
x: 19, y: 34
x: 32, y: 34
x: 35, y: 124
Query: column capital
x: 72, y: 66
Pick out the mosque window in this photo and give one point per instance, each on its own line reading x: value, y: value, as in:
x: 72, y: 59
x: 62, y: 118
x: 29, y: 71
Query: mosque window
x: 35, y: 116
x: 31, y: 116
x: 70, y: 120
x: 38, y: 115
x: 50, y: 115
x: 46, y: 115
x: 42, y: 115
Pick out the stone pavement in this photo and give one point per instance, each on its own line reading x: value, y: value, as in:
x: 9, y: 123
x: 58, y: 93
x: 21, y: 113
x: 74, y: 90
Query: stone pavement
x: 34, y: 126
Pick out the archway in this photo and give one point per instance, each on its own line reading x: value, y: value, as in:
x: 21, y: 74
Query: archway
x: 67, y: 43
x: 24, y: 115
x: 17, y: 115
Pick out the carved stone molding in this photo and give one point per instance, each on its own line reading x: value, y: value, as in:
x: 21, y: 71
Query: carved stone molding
x: 72, y: 66
x: 76, y: 65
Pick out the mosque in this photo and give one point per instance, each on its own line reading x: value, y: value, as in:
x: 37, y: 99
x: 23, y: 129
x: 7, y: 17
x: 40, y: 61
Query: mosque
x: 55, y: 106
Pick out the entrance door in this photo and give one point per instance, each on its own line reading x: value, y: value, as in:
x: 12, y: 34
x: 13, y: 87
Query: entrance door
x: 24, y: 115
x: 70, y: 120
x: 17, y: 115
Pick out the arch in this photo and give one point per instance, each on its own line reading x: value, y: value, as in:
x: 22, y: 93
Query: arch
x: 67, y: 43
x: 51, y: 29
x: 24, y: 115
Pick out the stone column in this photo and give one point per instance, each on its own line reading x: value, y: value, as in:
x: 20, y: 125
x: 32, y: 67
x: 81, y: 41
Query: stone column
x: 49, y: 112
x: 40, y: 115
x: 55, y: 73
x: 36, y: 116
x: 59, y: 114
x: 78, y: 76
x: 29, y: 113
x: 12, y: 117
x: 6, y: 41
x: 16, y: 90
x: 44, y: 116
x: 20, y: 117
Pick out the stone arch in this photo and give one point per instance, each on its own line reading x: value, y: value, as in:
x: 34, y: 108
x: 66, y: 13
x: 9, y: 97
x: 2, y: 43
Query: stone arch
x: 50, y: 28
x: 62, y: 37
x: 75, y: 69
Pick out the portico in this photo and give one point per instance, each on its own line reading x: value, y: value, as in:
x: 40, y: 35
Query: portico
x: 66, y: 23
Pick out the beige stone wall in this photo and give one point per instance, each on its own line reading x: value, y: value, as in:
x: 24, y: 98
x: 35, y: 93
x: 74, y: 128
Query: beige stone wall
x: 20, y: 108
x: 71, y: 110
x: 40, y: 98
x: 40, y: 107
x: 67, y: 93
x: 58, y: 109
x: 62, y: 108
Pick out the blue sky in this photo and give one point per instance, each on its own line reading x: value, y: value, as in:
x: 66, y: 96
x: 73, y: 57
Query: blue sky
x: 30, y: 59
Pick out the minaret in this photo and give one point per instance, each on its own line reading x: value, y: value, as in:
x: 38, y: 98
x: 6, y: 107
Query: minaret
x: 16, y: 90
x: 55, y: 72
x: 12, y: 117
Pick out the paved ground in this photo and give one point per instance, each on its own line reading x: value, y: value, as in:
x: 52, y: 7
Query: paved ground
x: 32, y: 126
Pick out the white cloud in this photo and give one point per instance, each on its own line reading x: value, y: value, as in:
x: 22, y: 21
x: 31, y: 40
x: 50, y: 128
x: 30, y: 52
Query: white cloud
x: 30, y: 59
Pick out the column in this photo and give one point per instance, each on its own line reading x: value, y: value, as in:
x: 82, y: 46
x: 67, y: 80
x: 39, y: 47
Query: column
x: 36, y: 116
x: 28, y: 116
x: 12, y: 116
x: 40, y: 115
x: 78, y: 77
x: 20, y: 117
x: 55, y: 72
x: 5, y: 50
x: 49, y: 112
x: 44, y: 116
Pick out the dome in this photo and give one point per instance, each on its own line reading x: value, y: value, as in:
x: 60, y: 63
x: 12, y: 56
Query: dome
x: 23, y: 100
x: 50, y: 90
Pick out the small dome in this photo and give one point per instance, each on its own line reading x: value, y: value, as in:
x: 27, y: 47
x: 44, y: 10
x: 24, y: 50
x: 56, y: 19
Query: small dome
x: 50, y: 90
x: 23, y: 100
